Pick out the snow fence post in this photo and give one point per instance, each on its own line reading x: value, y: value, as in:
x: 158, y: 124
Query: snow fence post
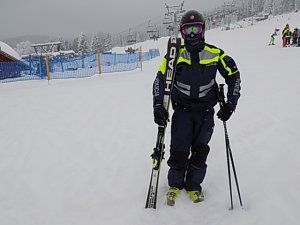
x: 99, y: 61
x: 47, y: 68
x: 141, y: 58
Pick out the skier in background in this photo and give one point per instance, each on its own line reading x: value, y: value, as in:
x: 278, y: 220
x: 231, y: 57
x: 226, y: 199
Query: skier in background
x: 298, y: 37
x: 289, y: 35
x: 272, y: 39
x: 295, y: 36
x: 285, y: 34
x: 193, y: 99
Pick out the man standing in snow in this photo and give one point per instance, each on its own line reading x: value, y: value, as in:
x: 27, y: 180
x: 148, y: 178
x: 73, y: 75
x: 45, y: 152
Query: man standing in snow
x: 193, y: 99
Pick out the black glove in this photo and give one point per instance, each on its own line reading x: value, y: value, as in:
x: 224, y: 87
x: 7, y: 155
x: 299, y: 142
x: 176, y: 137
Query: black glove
x: 161, y: 115
x: 226, y: 111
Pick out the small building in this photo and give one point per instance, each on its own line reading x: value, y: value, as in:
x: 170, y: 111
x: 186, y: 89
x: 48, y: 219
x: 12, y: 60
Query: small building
x: 11, y: 65
x: 7, y: 53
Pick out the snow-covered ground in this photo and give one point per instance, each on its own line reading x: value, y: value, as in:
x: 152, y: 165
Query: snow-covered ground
x: 77, y: 152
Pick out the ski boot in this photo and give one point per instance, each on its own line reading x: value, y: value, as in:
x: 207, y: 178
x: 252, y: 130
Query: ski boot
x: 195, y: 196
x: 172, y: 195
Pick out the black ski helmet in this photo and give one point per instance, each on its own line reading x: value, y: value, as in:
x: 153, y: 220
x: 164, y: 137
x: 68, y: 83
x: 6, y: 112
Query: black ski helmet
x: 192, y: 17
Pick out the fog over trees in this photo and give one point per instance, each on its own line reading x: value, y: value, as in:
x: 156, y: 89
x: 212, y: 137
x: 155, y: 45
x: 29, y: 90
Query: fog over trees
x: 224, y: 15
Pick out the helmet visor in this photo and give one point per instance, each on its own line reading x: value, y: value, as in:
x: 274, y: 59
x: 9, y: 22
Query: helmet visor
x: 189, y: 29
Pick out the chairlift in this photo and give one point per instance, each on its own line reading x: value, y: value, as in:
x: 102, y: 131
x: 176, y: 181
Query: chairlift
x: 150, y: 29
x: 131, y: 38
x: 170, y: 28
x: 167, y: 19
x: 153, y: 33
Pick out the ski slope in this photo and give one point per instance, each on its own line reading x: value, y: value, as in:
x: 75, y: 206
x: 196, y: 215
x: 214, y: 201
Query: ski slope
x: 77, y: 152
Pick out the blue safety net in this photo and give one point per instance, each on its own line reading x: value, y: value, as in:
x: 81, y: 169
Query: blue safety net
x: 70, y: 66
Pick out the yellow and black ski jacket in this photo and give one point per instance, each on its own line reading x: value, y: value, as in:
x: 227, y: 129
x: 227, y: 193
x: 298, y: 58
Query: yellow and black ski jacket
x: 195, y: 86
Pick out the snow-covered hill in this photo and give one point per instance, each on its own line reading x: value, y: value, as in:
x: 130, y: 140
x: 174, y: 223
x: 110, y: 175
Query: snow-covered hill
x: 77, y: 152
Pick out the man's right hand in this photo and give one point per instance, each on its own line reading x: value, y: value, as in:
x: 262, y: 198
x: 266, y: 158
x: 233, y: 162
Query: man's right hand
x: 161, y: 115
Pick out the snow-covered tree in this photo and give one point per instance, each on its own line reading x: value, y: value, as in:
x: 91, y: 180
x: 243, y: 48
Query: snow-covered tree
x: 24, y: 48
x: 82, y: 46
x: 66, y: 45
x: 75, y: 45
x: 105, y: 41
x: 95, y: 44
x: 268, y: 6
x: 274, y: 6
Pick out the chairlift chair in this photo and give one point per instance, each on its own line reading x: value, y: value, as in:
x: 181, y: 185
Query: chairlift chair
x: 131, y: 38
x: 167, y: 20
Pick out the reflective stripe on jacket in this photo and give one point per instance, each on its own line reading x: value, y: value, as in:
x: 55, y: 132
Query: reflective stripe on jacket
x: 195, y: 81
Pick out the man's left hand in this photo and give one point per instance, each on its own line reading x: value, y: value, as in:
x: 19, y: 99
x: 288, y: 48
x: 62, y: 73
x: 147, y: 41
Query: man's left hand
x: 226, y: 111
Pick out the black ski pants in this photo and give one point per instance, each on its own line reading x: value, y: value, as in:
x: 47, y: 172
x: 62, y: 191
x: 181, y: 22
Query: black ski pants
x: 191, y: 132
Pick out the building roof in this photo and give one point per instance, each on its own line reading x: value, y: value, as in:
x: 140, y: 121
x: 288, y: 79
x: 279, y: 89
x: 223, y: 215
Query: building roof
x: 9, y: 51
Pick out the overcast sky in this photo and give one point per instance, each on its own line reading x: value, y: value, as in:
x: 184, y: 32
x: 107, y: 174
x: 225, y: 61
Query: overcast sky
x: 67, y: 18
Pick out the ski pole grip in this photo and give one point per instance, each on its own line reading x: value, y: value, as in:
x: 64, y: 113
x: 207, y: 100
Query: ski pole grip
x: 221, y: 95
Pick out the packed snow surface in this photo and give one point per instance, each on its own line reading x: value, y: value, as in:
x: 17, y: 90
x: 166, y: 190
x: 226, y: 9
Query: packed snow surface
x: 77, y: 152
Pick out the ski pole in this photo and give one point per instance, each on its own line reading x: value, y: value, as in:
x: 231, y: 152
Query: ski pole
x: 229, y: 152
x: 221, y: 99
x: 228, y: 170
